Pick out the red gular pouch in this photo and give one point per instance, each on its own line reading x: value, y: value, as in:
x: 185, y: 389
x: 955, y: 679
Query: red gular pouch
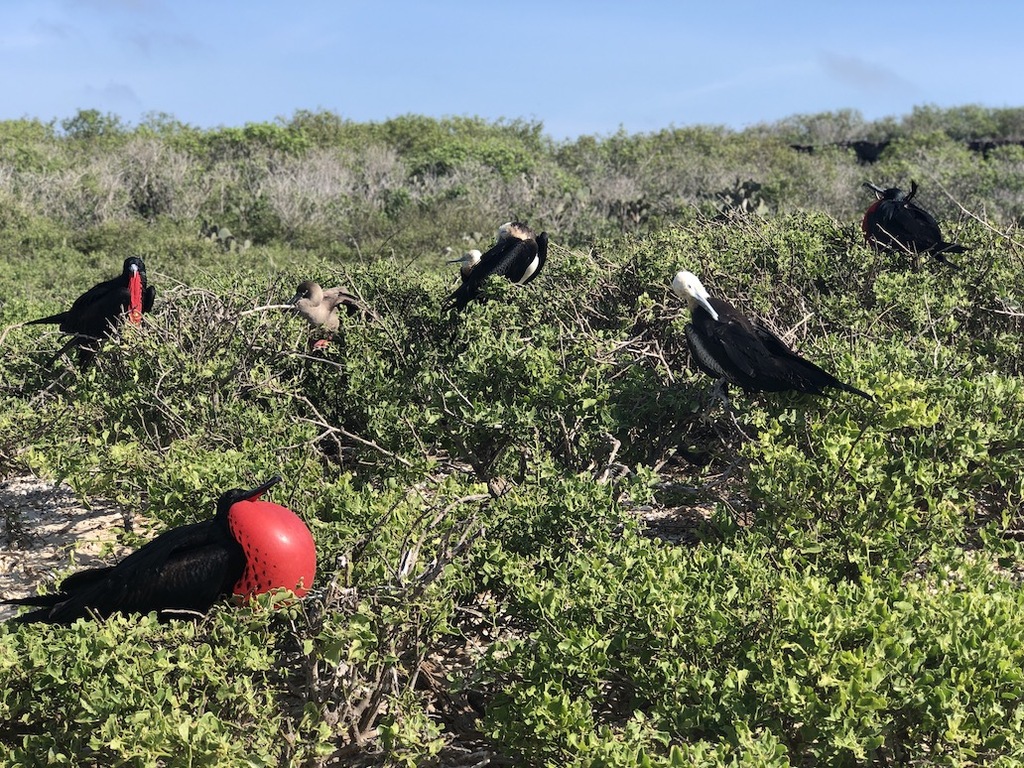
x: 279, y: 549
x: 135, y: 297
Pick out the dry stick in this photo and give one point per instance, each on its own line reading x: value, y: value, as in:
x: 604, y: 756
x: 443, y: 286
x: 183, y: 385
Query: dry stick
x: 331, y: 429
x: 973, y: 215
x: 265, y: 307
x: 1002, y: 312
x: 8, y: 328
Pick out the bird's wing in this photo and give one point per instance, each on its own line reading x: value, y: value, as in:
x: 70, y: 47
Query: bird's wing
x: 801, y: 373
x: 97, y: 294
x: 503, y: 257
x: 148, y: 297
x: 542, y: 256
x: 743, y: 348
x: 335, y: 297
x: 921, y: 227
x: 183, y: 568
x: 772, y: 343
x: 94, y: 309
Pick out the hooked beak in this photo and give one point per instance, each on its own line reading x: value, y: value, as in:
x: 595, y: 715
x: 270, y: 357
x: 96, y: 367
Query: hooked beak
x: 259, y: 490
x: 877, y: 190
x: 703, y: 302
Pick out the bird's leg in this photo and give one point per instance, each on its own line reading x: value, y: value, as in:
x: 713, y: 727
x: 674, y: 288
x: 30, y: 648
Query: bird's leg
x: 74, y: 340
x: 720, y: 393
x: 717, y: 393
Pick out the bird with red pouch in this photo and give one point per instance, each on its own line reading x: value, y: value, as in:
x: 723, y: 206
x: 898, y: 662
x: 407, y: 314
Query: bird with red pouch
x: 104, y: 306
x: 895, y: 221
x: 248, y: 548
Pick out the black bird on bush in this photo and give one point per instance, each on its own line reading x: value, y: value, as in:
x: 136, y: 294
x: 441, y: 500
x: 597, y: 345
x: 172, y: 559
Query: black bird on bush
x: 518, y: 256
x: 249, y: 547
x: 726, y: 345
x: 98, y: 310
x: 895, y: 221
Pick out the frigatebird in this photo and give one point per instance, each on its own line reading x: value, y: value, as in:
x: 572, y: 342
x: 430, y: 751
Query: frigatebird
x: 895, y: 221
x: 518, y: 256
x: 94, y: 313
x: 249, y: 547
x: 468, y: 261
x: 728, y: 346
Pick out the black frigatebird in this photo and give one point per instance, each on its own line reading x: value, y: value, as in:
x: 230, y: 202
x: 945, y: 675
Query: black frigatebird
x: 98, y: 310
x: 726, y: 345
x: 518, y: 256
x: 249, y: 547
x: 895, y: 221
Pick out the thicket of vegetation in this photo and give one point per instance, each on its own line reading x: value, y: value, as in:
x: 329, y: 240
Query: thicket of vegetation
x: 540, y: 541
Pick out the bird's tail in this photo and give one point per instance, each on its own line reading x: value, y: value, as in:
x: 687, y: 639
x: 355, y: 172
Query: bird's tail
x: 43, y: 603
x: 853, y: 390
x: 461, y: 296
x: 60, y: 317
x: 51, y: 599
x: 947, y: 248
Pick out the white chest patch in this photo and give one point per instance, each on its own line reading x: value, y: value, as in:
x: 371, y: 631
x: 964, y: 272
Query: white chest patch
x: 529, y: 270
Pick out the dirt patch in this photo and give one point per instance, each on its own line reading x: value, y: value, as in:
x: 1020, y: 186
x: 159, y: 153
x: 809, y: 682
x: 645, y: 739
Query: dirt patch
x: 45, y: 529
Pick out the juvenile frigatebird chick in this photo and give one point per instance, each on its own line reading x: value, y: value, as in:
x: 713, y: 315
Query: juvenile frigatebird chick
x: 894, y: 221
x: 102, y: 307
x: 518, y: 256
x: 249, y: 547
x: 468, y: 261
x: 726, y: 345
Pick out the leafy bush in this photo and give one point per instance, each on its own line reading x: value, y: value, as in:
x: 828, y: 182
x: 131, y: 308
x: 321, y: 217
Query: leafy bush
x: 499, y: 496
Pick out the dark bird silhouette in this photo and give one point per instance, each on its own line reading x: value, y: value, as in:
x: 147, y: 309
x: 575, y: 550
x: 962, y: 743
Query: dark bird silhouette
x: 104, y: 306
x: 895, y: 221
x: 518, y: 256
x: 726, y: 345
x: 249, y: 547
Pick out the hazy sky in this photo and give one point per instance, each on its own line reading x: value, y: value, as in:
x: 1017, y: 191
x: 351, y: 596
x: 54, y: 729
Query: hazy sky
x: 579, y: 67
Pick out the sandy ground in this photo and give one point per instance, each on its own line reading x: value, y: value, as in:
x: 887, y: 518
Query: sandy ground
x: 45, y: 530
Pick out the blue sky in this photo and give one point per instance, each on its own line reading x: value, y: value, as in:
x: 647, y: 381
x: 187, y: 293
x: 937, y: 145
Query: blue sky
x: 579, y: 67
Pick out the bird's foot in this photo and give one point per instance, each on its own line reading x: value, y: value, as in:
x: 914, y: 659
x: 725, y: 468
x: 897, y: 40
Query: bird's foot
x: 720, y: 393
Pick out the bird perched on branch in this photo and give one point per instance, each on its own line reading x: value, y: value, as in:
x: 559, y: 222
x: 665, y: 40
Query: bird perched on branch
x: 895, y: 221
x: 249, y: 547
x: 518, y: 256
x: 320, y: 307
x: 726, y: 345
x: 97, y: 311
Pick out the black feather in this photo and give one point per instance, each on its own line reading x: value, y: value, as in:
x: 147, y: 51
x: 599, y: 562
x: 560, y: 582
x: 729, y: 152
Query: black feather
x: 185, y: 569
x: 518, y: 256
